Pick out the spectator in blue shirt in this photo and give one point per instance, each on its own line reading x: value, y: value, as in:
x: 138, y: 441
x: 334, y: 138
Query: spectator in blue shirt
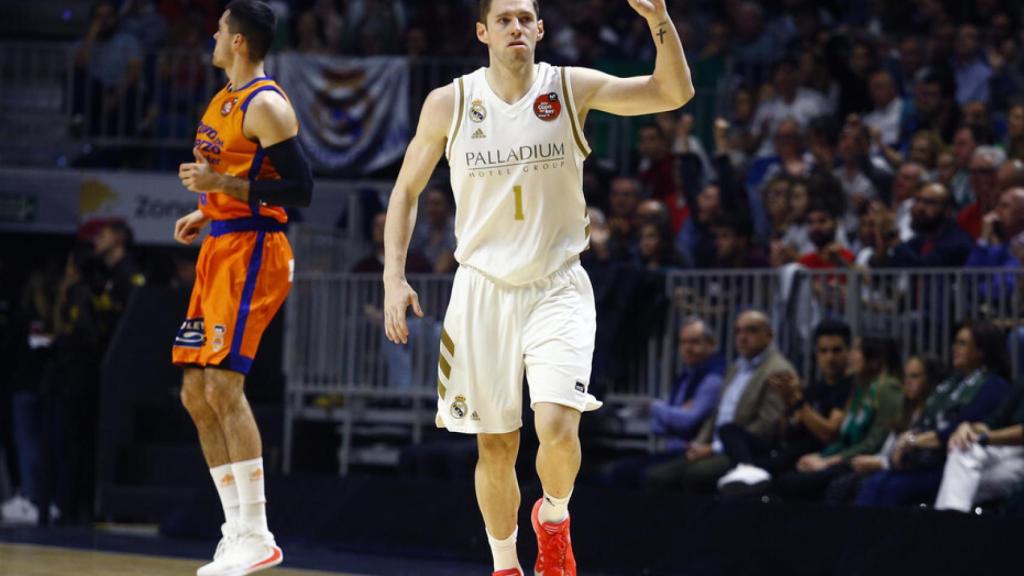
x: 972, y: 71
x: 999, y: 228
x: 108, y: 64
x: 750, y: 413
x: 693, y: 398
x: 696, y: 392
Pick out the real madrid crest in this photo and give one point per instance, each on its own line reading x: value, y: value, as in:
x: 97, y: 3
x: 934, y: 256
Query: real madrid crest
x: 459, y: 407
x: 477, y: 112
x: 228, y: 107
x: 547, y: 107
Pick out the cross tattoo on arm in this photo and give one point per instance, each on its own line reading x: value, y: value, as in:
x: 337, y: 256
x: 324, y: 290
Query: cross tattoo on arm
x: 661, y: 33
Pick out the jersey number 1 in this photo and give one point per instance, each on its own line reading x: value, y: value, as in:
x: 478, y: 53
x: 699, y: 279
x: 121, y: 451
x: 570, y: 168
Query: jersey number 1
x: 519, y: 202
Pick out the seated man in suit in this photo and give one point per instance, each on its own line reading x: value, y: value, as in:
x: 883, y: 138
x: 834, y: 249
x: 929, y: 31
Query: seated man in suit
x: 748, y: 407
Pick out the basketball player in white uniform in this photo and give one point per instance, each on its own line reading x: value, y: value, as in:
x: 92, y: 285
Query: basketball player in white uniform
x: 513, y: 135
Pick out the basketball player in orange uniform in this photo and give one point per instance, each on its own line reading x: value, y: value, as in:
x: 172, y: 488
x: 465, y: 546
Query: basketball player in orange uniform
x: 248, y: 166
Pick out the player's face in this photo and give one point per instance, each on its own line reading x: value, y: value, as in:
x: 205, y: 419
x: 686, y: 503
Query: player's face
x: 223, y: 38
x: 512, y: 31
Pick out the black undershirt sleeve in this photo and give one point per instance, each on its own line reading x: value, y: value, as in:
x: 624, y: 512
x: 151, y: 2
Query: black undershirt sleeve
x: 295, y: 187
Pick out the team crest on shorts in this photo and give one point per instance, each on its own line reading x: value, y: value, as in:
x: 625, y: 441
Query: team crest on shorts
x: 547, y: 107
x: 218, y: 337
x: 228, y: 107
x: 477, y: 112
x: 459, y: 407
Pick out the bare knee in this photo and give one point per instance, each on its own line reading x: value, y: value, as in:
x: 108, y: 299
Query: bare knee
x: 193, y: 396
x: 498, y: 449
x: 557, y: 427
x: 223, y: 391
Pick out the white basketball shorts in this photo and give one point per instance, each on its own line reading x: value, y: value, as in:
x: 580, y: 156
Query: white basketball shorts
x: 494, y: 332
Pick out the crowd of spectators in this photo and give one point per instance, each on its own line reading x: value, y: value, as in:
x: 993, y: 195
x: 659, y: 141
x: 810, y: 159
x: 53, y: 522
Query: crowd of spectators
x: 867, y: 431
x: 867, y: 135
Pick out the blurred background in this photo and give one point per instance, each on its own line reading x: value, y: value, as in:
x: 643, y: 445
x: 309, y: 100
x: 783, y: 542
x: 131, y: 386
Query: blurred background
x: 854, y: 169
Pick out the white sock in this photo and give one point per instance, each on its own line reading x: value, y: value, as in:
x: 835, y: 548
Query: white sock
x: 504, y: 552
x: 251, y: 498
x: 554, y: 510
x: 227, y: 489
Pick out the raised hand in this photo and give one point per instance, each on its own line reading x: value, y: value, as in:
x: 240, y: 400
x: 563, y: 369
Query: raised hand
x: 650, y: 9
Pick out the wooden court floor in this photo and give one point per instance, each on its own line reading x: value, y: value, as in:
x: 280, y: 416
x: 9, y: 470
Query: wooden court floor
x: 31, y: 560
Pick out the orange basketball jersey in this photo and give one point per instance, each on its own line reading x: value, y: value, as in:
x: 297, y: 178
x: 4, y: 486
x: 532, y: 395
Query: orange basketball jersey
x: 221, y: 141
x: 244, y: 272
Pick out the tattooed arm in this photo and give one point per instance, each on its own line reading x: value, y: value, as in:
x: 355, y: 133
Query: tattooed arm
x: 668, y: 88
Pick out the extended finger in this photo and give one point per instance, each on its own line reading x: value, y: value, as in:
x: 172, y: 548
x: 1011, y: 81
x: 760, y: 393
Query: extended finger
x: 416, y: 306
x: 397, y: 325
x: 389, y: 325
x: 403, y: 329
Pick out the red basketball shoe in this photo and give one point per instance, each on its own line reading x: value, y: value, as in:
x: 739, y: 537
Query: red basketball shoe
x: 554, y: 547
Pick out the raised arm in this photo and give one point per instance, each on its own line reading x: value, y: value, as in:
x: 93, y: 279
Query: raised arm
x: 421, y: 157
x: 667, y: 89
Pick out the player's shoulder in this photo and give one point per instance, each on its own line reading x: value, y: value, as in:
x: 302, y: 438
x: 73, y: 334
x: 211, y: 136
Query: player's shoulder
x: 438, y: 111
x: 270, y: 106
x: 270, y: 115
x: 442, y: 98
x: 270, y: 102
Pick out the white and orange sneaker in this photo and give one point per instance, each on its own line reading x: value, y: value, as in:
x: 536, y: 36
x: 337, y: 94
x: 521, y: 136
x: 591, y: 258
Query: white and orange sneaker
x: 251, y: 551
x: 554, y: 546
x: 229, y: 535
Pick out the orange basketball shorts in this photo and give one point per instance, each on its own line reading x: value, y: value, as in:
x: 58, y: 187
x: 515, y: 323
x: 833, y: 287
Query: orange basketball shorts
x: 243, y: 275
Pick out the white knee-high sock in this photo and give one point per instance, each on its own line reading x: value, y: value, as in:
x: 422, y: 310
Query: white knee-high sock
x: 554, y: 510
x: 251, y: 497
x: 504, y: 552
x: 227, y: 489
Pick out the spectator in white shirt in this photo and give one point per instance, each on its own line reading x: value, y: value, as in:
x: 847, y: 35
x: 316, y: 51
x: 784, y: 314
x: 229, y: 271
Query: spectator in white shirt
x: 888, y: 107
x: 908, y: 179
x: 791, y: 101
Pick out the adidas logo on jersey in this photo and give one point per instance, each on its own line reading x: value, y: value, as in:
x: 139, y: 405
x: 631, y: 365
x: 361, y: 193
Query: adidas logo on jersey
x: 479, y: 134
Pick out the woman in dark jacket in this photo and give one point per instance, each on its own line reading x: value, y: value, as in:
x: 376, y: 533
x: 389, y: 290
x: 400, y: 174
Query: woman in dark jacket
x: 977, y: 388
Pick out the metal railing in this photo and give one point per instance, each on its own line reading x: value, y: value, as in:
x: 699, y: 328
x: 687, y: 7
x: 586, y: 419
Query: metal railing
x: 920, y: 309
x: 337, y: 361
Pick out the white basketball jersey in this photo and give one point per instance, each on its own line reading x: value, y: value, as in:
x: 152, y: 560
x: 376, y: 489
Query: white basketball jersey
x: 517, y: 174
